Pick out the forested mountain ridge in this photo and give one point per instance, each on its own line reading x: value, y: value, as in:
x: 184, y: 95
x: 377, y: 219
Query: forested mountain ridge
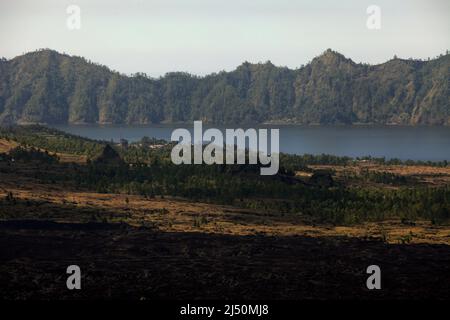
x: 48, y: 87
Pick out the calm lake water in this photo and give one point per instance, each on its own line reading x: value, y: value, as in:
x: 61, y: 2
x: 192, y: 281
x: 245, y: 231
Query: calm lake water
x: 415, y: 143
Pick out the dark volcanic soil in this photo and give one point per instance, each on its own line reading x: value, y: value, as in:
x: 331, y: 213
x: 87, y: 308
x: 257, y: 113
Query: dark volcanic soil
x: 119, y: 261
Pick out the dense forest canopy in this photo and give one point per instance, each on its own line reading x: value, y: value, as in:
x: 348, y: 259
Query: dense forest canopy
x: 48, y: 87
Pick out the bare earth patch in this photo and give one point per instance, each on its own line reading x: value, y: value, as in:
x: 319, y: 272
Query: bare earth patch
x: 177, y: 215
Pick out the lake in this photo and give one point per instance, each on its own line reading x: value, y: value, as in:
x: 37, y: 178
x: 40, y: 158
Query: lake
x: 402, y: 142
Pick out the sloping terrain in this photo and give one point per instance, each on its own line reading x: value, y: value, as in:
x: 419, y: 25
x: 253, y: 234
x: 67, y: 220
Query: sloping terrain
x: 48, y: 87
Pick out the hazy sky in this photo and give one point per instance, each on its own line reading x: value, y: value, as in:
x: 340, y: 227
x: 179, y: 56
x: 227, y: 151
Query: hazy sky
x: 203, y: 36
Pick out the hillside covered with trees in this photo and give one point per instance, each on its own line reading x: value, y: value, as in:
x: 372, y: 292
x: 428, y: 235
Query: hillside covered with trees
x: 48, y: 87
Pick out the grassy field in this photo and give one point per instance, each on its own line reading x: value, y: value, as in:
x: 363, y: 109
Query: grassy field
x: 55, y: 203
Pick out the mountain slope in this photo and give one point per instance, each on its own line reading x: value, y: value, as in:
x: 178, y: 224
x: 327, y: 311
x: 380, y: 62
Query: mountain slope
x: 48, y: 87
